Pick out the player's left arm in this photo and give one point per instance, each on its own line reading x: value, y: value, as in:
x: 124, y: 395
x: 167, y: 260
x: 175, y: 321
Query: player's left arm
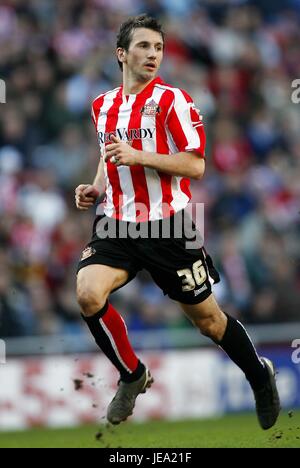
x: 185, y: 164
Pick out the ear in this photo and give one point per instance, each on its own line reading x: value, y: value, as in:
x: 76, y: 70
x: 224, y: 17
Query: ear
x: 121, y: 54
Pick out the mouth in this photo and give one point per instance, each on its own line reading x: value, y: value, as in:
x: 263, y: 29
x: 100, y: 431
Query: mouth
x: 150, y: 66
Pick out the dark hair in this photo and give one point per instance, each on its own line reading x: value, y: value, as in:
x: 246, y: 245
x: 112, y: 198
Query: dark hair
x: 126, y: 29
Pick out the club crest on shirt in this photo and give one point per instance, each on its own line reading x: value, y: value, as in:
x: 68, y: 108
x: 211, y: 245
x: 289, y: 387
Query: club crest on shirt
x: 151, y: 108
x: 87, y: 252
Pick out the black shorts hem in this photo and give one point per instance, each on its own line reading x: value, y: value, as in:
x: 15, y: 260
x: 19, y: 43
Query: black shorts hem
x: 108, y: 262
x: 192, y: 300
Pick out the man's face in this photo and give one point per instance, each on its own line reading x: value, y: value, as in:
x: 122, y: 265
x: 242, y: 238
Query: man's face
x: 144, y: 55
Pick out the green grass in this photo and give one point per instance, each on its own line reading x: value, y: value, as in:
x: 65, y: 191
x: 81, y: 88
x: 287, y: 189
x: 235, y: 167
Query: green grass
x: 229, y: 431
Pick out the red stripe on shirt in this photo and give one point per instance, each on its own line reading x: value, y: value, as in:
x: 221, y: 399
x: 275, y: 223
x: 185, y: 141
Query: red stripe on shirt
x: 185, y: 186
x: 138, y: 176
x: 175, y: 128
x: 163, y: 148
x: 97, y: 104
x: 112, y: 171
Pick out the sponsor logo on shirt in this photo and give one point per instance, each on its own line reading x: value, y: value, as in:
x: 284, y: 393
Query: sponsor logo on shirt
x: 127, y: 135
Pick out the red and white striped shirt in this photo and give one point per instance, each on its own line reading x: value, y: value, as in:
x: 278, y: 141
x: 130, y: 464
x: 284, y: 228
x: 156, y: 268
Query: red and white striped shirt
x: 160, y: 119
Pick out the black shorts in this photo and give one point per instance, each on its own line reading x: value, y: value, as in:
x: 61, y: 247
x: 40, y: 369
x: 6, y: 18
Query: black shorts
x: 177, y: 261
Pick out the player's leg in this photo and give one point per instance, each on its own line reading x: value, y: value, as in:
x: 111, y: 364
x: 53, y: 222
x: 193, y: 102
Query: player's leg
x: 186, y: 272
x: 207, y: 317
x: 228, y: 333
x: 94, y: 284
x: 232, y: 337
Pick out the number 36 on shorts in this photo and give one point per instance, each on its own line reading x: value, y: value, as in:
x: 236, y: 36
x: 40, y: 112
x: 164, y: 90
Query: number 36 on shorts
x: 191, y: 277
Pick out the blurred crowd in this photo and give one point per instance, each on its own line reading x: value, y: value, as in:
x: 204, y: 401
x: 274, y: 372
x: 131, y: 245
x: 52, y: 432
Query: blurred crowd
x: 237, y: 59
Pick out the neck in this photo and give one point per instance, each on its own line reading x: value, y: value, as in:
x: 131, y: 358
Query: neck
x: 131, y: 85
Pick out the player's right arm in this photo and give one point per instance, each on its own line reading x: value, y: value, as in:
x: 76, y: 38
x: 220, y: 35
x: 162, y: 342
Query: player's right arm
x: 86, y: 194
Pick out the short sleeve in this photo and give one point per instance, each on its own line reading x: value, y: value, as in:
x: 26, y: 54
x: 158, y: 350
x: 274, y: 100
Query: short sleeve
x: 185, y: 124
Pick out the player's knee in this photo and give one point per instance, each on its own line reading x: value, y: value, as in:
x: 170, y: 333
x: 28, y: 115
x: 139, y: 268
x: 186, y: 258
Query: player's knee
x: 211, y: 326
x: 90, y: 301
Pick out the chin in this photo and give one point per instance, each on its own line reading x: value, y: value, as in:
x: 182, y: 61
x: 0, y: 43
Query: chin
x: 150, y: 75
x: 146, y: 76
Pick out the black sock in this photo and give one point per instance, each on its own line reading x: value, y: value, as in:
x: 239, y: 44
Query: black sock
x: 239, y: 347
x: 105, y: 340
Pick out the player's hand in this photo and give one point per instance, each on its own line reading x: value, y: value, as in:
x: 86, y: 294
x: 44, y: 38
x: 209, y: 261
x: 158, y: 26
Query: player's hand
x: 121, y: 153
x: 85, y: 196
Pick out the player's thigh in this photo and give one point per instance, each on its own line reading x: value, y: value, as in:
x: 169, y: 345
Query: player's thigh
x: 95, y: 282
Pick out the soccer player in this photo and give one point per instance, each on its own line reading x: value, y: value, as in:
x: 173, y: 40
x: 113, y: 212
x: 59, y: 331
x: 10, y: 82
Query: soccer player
x: 152, y: 142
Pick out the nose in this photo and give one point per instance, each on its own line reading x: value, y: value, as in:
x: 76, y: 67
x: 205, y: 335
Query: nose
x: 152, y: 52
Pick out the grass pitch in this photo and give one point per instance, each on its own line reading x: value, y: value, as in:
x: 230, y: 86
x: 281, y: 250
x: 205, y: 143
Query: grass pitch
x: 238, y: 431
